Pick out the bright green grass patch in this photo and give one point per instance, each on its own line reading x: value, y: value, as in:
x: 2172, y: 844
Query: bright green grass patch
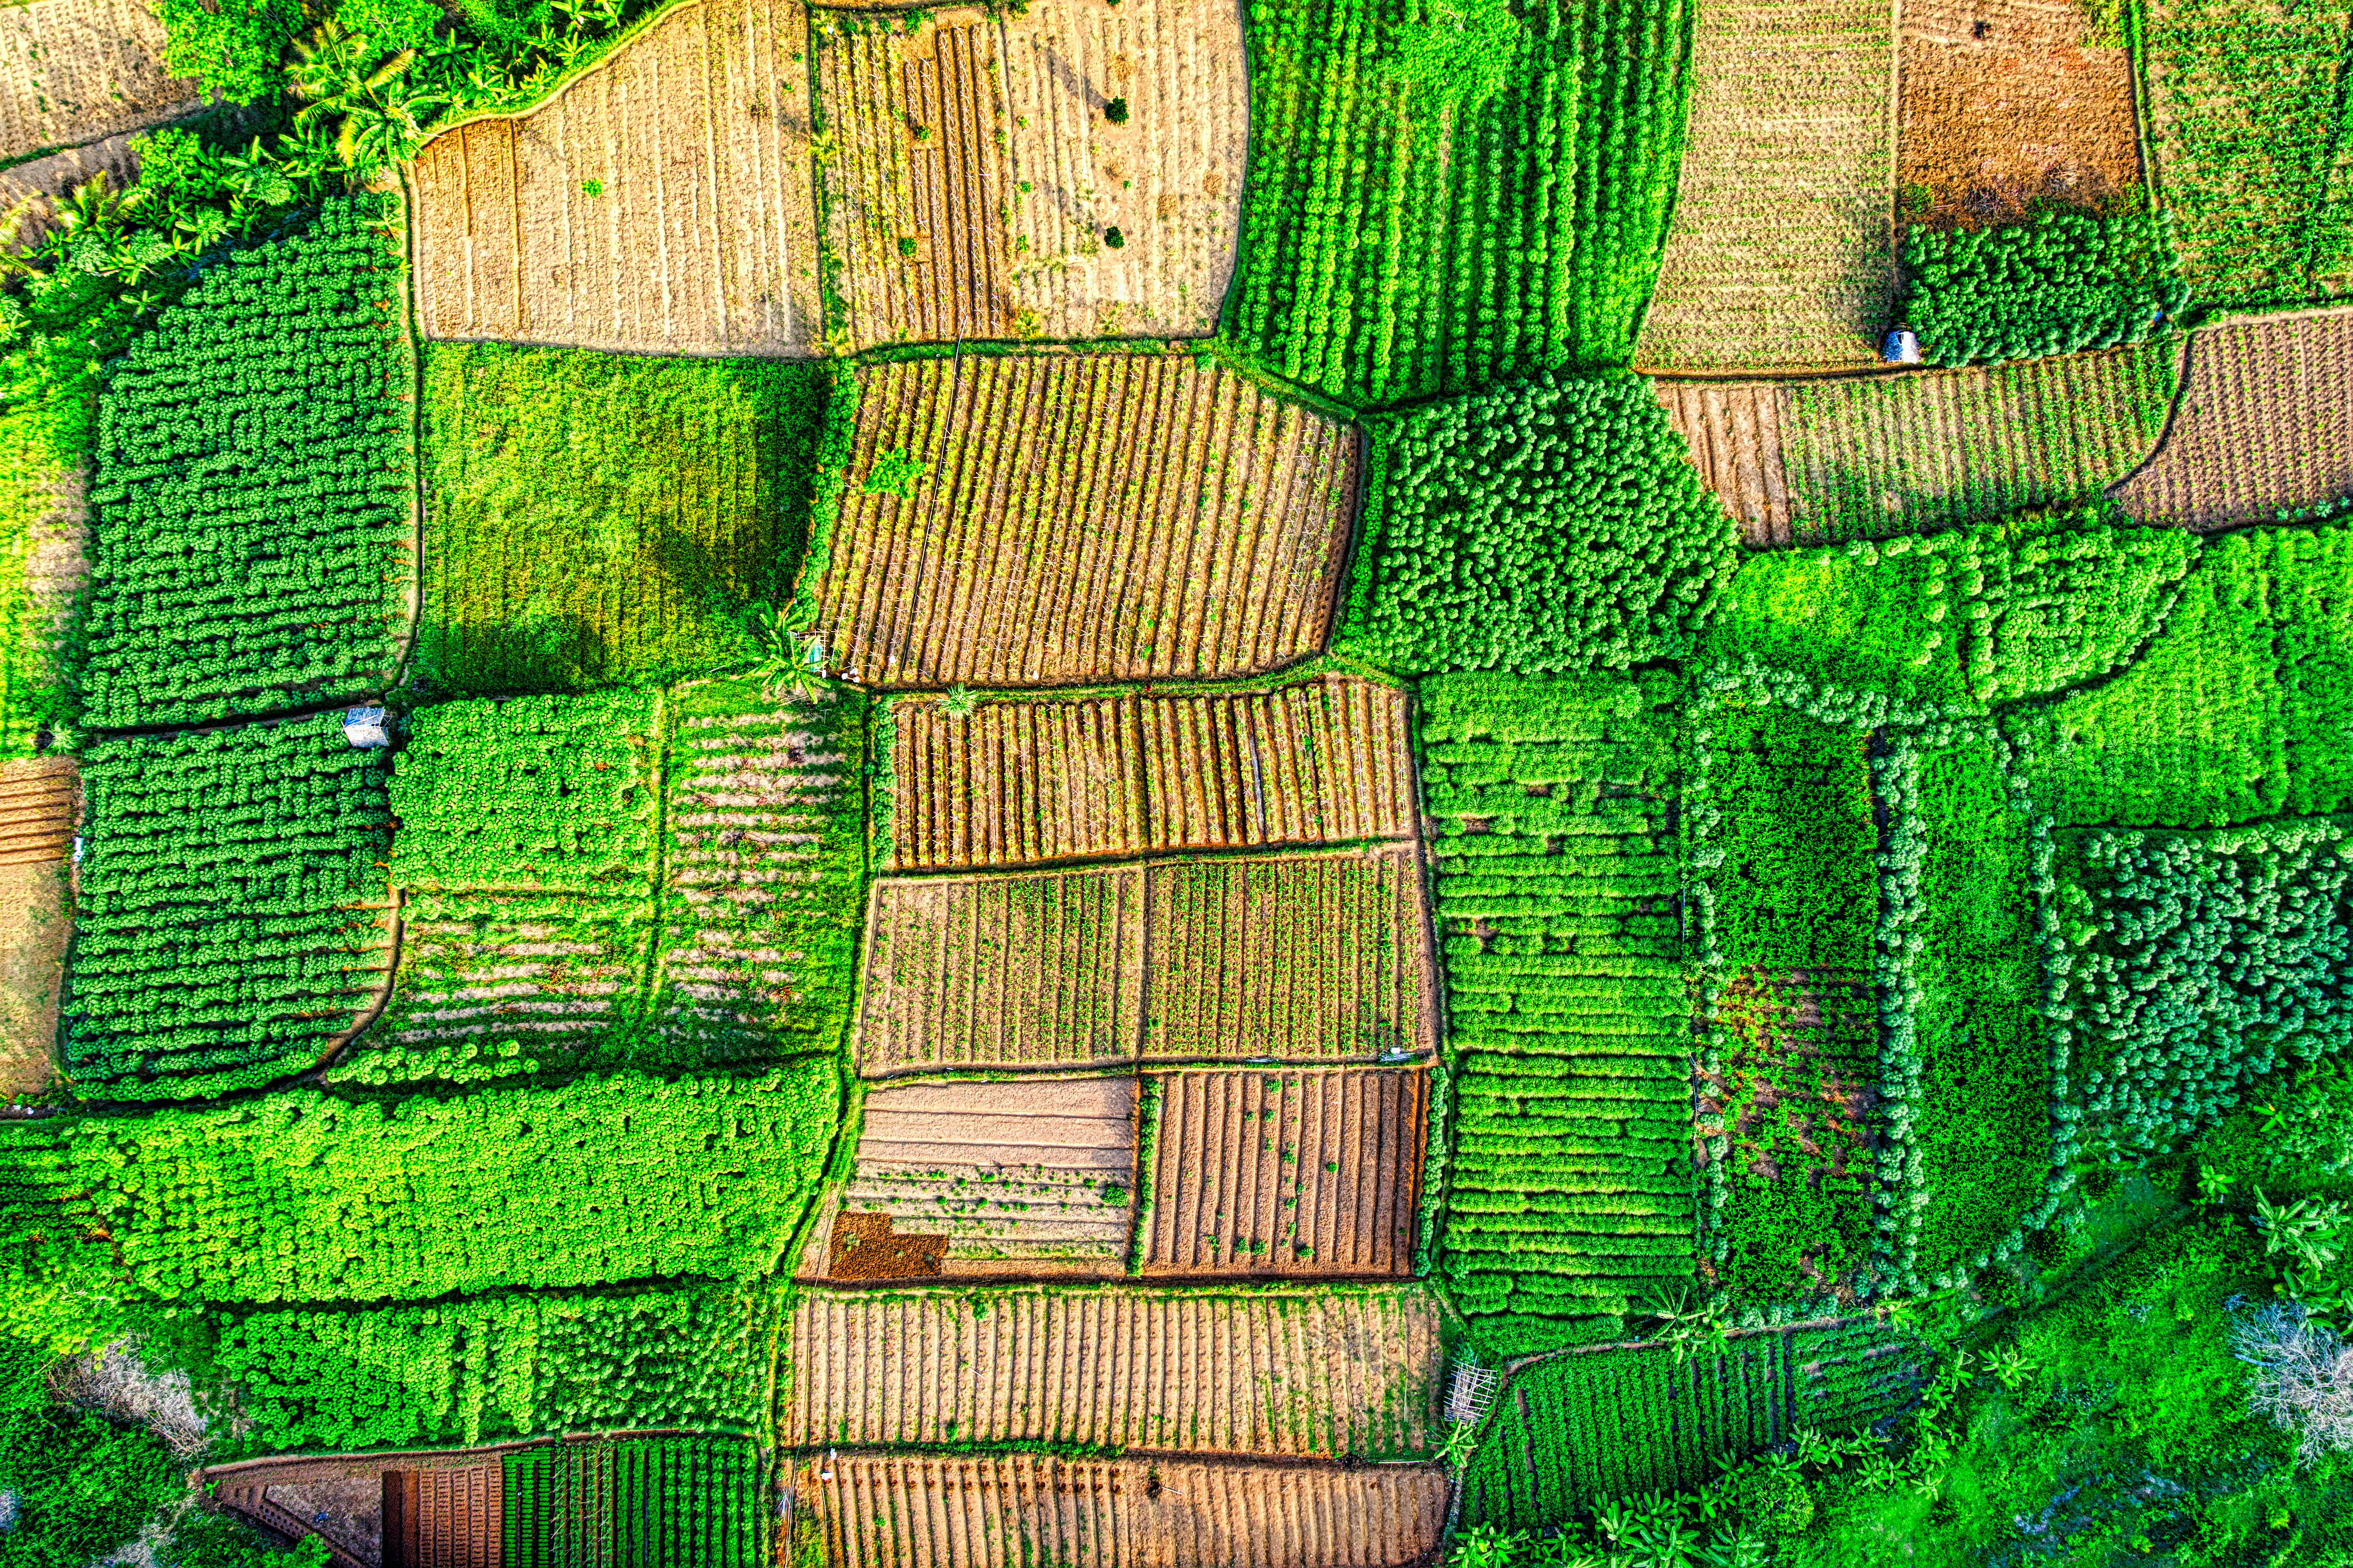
x: 597, y: 519
x: 1796, y: 885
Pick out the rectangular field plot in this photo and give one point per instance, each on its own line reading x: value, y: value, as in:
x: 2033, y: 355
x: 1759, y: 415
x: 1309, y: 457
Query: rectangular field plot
x: 2265, y: 423
x: 660, y: 202
x: 1781, y: 251
x: 1082, y: 518
x: 1134, y: 773
x: 1263, y: 1171
x: 1013, y: 1510
x: 40, y: 805
x: 974, y: 1177
x: 76, y: 70
x: 1327, y: 1372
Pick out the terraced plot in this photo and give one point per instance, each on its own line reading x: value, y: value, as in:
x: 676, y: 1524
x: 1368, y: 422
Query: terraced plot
x: 1328, y: 1372
x: 973, y: 1177
x: 1780, y: 254
x: 1007, y: 782
x: 76, y: 70
x: 2265, y: 423
x: 1157, y: 519
x: 40, y: 802
x: 1000, y: 1511
x: 1265, y: 1171
x: 660, y: 202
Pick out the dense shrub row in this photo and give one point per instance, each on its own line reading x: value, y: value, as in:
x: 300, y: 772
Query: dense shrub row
x: 2060, y: 284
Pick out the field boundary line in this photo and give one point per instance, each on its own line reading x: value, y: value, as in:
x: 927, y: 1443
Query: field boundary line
x: 413, y: 337
x: 1514, y: 1367
x: 604, y: 51
x: 1287, y: 851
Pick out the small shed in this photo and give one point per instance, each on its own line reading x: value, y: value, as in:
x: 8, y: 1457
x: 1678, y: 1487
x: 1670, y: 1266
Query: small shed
x: 366, y: 726
x: 1900, y: 347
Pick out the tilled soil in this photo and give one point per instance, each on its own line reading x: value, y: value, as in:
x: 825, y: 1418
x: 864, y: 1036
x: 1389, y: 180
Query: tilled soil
x: 2265, y: 421
x: 1261, y: 1171
x: 1083, y: 518
x: 1050, y: 779
x: 2008, y: 106
x: 40, y: 802
x: 1000, y: 1511
x: 661, y: 202
x: 73, y: 71
x: 1324, y: 1372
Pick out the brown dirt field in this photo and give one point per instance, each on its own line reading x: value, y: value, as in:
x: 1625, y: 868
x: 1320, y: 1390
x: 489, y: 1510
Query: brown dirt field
x: 863, y: 1246
x: 41, y: 801
x: 73, y: 71
x: 1084, y: 518
x: 1345, y: 933
x: 1733, y: 432
x: 1038, y: 970
x: 1260, y: 1171
x: 701, y: 234
x: 1304, y: 1372
x: 2008, y: 102
x: 1781, y: 252
x: 2265, y: 421
x: 1031, y: 1176
x: 1131, y: 773
x: 1004, y: 1511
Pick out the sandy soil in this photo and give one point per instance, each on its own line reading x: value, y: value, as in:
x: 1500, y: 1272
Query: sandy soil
x: 1734, y: 433
x: 73, y: 71
x: 39, y: 804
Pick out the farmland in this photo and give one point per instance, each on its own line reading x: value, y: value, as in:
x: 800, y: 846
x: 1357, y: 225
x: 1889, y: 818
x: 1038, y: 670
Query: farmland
x: 918, y: 1511
x: 589, y: 223
x: 1309, y: 1372
x: 1780, y: 254
x: 1210, y: 548
x: 76, y: 70
x: 2264, y: 424
x: 1008, y: 781
x: 40, y: 804
x: 44, y: 565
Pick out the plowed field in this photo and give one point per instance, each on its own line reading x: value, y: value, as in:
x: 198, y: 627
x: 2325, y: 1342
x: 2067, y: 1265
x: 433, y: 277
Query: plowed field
x: 1083, y: 518
x: 39, y: 802
x: 1004, y: 1511
x: 1323, y: 1374
x: 1012, y: 781
x: 1026, y: 1177
x: 1734, y: 430
x: 661, y: 202
x: 2007, y: 106
x: 1781, y: 254
x: 1260, y: 1171
x: 76, y: 70
x: 2265, y: 422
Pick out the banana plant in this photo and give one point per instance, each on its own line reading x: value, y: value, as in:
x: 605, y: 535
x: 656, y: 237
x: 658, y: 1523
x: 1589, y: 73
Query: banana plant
x: 379, y: 111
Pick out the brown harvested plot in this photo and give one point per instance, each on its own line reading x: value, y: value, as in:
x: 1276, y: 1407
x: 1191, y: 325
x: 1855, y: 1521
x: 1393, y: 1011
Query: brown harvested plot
x: 661, y: 202
x: 428, y: 1509
x: 40, y: 802
x: 1734, y: 433
x: 1322, y: 1373
x: 1062, y: 778
x: 2007, y: 107
x: 1780, y: 255
x: 1260, y: 1171
x: 1022, y: 1178
x: 76, y: 70
x: 1010, y: 1510
x: 1041, y: 970
x: 2265, y: 422
x: 1296, y: 957
x: 1083, y: 518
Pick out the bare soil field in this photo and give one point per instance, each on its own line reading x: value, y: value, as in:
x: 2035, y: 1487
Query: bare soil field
x: 1026, y: 1177
x: 1011, y: 1510
x: 1322, y: 1373
x: 1297, y: 957
x: 1734, y: 432
x: 73, y: 71
x: 434, y: 1510
x: 40, y: 802
x: 1267, y: 1171
x: 1781, y: 252
x: 661, y: 202
x: 1064, y: 778
x: 2008, y: 103
x: 1038, y: 970
x: 1083, y: 518
x: 2265, y: 421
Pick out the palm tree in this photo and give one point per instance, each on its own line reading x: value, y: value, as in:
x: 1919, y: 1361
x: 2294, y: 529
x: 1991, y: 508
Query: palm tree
x: 381, y: 115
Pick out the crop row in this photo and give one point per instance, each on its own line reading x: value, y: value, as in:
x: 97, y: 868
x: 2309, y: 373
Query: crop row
x: 643, y: 1502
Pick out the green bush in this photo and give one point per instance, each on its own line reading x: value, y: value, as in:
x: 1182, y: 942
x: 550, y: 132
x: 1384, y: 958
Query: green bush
x: 2061, y: 283
x: 235, y: 48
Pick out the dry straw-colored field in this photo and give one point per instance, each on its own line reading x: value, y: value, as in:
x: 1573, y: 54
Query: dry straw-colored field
x: 1781, y: 254
x: 1155, y: 518
x: 73, y: 71
x: 40, y: 804
x: 976, y: 180
x: 661, y: 202
x: 1170, y: 962
x: 1012, y: 1510
x: 1266, y: 1171
x: 1010, y: 782
x: 1323, y: 1372
x: 2265, y: 421
x: 2007, y: 104
x: 975, y: 1178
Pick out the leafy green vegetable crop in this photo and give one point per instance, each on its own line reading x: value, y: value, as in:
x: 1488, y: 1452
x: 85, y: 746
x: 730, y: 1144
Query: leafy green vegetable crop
x: 2060, y: 284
